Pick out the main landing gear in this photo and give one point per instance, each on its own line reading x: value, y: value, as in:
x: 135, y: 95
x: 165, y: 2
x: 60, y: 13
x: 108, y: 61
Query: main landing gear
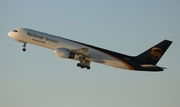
x: 24, y: 47
x: 83, y: 66
x: 84, y: 63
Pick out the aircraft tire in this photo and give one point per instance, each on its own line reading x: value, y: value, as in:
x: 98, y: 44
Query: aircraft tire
x: 82, y: 66
x: 88, y: 67
x: 78, y: 64
x: 24, y: 49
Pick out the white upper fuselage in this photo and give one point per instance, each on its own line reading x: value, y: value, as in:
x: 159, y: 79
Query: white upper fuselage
x: 54, y: 42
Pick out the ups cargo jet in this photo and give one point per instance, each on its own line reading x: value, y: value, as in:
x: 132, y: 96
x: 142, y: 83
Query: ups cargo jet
x: 86, y: 54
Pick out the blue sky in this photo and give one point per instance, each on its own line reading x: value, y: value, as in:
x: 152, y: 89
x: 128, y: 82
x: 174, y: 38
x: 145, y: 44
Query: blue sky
x: 40, y: 79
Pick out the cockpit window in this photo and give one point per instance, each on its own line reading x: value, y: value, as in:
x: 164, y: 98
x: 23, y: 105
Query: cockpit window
x: 15, y: 30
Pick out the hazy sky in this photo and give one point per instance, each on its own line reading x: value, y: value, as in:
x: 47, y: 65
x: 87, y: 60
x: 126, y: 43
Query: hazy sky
x: 38, y: 78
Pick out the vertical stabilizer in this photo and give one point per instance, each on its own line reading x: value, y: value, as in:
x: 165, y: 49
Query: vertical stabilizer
x: 154, y: 54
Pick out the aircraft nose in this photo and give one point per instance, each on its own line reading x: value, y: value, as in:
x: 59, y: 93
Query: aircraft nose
x: 9, y: 34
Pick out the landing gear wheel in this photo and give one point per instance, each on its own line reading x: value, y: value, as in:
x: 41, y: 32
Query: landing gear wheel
x: 24, y: 49
x: 82, y: 66
x: 88, y: 67
x: 78, y: 64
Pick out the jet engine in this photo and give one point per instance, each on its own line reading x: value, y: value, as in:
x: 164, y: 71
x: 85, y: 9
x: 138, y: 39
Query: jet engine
x: 64, y: 53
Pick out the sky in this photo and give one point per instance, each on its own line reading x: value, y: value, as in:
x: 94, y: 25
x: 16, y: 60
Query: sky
x: 38, y: 78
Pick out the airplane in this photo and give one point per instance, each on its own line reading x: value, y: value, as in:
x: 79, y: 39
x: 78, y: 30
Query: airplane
x: 85, y: 53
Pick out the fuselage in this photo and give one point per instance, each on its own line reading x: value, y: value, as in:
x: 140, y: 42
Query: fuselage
x: 53, y: 42
x: 85, y: 53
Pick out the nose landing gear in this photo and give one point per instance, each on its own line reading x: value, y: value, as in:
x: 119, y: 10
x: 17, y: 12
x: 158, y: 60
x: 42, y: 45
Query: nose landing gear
x: 24, y: 47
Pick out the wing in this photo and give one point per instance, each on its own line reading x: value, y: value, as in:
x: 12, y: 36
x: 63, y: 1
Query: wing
x: 82, y: 51
x: 85, y: 52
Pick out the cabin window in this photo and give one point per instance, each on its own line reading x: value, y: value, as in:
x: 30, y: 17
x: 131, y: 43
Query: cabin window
x: 15, y: 30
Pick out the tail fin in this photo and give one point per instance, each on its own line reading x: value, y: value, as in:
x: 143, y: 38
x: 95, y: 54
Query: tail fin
x: 154, y: 54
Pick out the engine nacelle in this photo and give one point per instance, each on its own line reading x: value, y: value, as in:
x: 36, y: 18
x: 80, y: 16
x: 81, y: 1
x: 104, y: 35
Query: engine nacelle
x: 64, y: 53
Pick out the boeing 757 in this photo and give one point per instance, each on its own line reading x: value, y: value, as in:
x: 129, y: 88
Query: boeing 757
x: 85, y: 53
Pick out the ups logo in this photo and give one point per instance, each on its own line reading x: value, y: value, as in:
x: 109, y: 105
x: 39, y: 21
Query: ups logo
x: 156, y: 53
